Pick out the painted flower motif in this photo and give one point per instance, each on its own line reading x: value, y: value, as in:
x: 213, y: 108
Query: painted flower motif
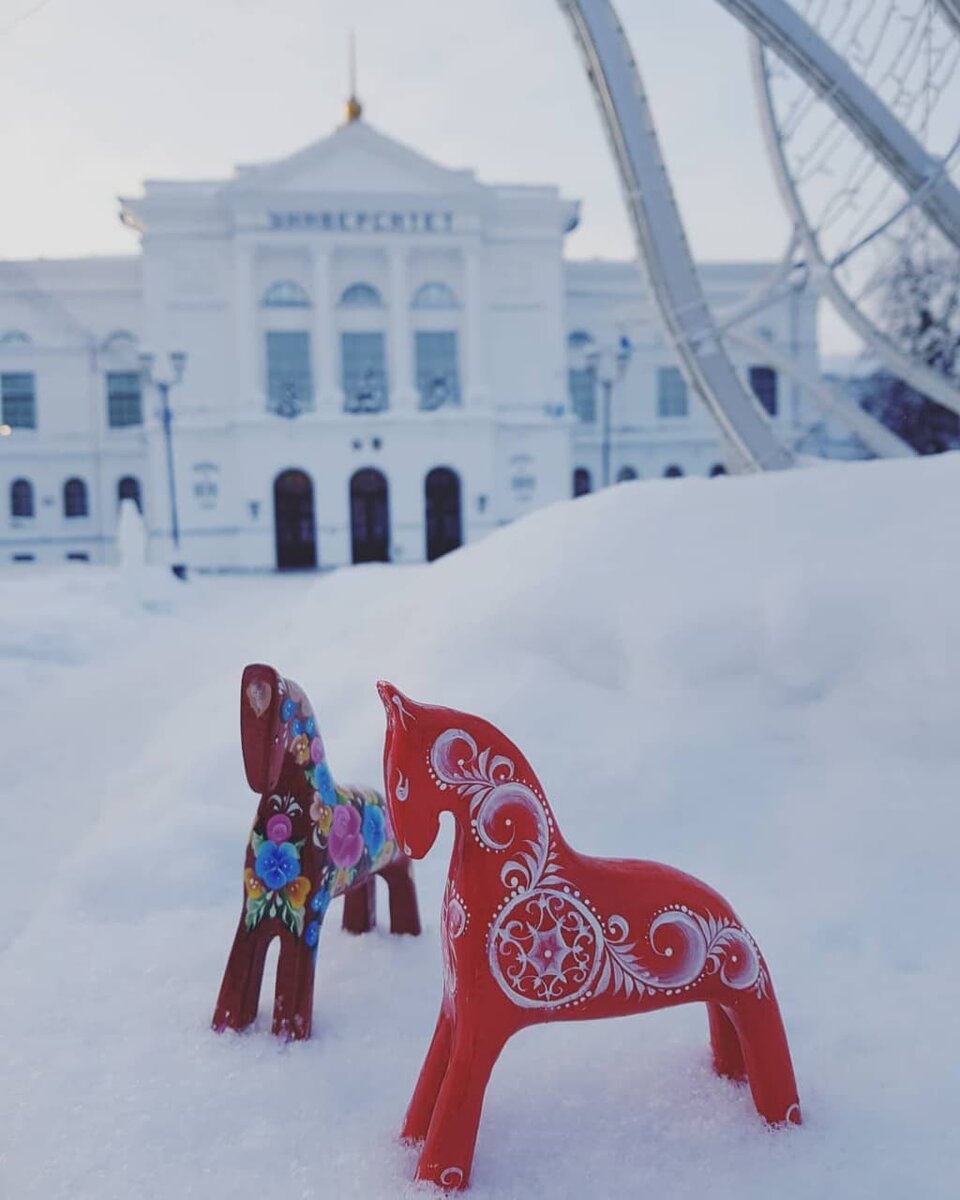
x: 297, y: 728
x: 321, y: 814
x: 311, y: 934
x: 297, y: 891
x: 252, y: 885
x: 346, y: 840
x: 316, y: 749
x: 277, y: 865
x: 310, y: 727
x: 374, y: 828
x: 323, y: 782
x: 287, y: 709
x: 300, y: 749
x: 279, y: 828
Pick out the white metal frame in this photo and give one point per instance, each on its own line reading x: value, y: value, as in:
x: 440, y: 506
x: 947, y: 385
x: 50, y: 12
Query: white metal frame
x: 662, y: 242
x: 916, y: 374
x: 784, y: 31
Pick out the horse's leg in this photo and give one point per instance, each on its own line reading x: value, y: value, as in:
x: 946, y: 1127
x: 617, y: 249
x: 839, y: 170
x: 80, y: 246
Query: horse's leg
x: 240, y: 990
x: 767, y: 1057
x: 293, y: 1001
x: 447, y: 1153
x: 727, y: 1055
x: 420, y: 1110
x: 404, y: 911
x: 360, y: 906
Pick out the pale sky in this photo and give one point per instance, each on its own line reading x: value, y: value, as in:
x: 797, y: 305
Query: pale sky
x: 97, y: 95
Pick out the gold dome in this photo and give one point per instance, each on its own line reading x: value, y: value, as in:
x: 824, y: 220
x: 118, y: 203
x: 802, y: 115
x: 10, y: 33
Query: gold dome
x: 353, y: 110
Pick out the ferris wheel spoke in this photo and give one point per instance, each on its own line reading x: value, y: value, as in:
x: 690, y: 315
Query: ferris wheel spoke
x: 862, y: 221
x: 800, y: 46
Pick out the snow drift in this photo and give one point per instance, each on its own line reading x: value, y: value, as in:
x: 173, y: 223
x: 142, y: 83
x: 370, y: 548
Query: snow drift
x: 755, y: 680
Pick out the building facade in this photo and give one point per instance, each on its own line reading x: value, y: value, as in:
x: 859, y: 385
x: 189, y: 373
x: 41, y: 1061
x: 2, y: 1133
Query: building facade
x: 384, y: 358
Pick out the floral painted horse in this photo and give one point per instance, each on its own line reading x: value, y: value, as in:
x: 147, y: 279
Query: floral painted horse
x: 312, y: 840
x: 533, y: 932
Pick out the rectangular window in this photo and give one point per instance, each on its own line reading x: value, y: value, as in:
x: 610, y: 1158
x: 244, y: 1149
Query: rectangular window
x: 438, y: 378
x: 582, y: 384
x: 124, y: 399
x: 671, y: 393
x: 289, y: 379
x: 763, y: 380
x: 364, y: 372
x: 19, y: 395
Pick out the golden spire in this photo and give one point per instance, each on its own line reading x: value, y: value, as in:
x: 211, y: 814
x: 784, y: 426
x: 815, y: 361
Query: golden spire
x: 354, y: 109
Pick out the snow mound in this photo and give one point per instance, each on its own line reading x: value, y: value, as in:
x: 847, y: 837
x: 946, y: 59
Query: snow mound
x: 754, y: 679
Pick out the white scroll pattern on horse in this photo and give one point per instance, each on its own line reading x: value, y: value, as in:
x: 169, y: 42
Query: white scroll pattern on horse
x: 548, y: 946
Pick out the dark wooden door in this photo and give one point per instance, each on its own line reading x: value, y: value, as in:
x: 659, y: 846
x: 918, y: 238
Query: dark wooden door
x: 296, y: 529
x: 444, y: 525
x: 369, y: 516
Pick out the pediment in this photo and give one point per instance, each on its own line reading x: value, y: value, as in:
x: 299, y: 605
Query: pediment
x: 355, y: 159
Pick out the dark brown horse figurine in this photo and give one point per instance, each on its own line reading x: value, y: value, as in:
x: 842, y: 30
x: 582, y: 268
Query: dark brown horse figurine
x: 534, y: 932
x: 312, y: 840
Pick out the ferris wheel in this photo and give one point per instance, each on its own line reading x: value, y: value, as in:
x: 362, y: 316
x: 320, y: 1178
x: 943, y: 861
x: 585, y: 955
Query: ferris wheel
x: 860, y: 106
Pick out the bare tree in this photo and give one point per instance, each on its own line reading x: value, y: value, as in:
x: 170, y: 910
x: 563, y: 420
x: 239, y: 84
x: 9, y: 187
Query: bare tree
x: 920, y: 310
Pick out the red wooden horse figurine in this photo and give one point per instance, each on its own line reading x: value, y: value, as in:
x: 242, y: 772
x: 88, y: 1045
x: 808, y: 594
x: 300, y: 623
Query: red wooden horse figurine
x: 312, y: 840
x: 533, y: 931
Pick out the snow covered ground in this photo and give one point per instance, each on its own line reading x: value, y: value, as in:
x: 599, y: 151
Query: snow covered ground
x: 757, y: 680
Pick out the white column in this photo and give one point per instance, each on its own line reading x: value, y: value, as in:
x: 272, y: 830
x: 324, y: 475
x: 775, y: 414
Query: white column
x: 403, y: 392
x: 248, y: 385
x: 325, y: 349
x: 476, y: 390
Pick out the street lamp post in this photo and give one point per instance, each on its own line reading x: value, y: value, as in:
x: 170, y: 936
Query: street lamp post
x: 178, y: 364
x: 609, y: 364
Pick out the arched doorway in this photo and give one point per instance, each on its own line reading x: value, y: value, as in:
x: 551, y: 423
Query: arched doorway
x: 296, y: 531
x: 128, y: 488
x: 444, y: 530
x: 582, y: 483
x: 369, y: 516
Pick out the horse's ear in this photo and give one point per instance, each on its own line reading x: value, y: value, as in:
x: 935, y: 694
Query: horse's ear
x: 261, y: 693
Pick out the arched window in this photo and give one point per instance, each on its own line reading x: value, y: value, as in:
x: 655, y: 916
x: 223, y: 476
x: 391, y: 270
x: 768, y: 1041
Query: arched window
x: 626, y: 474
x: 128, y: 488
x: 434, y: 295
x: 582, y: 483
x: 717, y: 469
x: 15, y: 337
x: 75, y: 498
x: 119, y: 341
x: 673, y: 472
x: 285, y: 294
x: 361, y: 295
x: 21, y: 498
x: 763, y: 380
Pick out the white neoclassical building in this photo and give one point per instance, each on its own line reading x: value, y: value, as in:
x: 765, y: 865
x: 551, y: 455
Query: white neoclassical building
x: 384, y: 358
